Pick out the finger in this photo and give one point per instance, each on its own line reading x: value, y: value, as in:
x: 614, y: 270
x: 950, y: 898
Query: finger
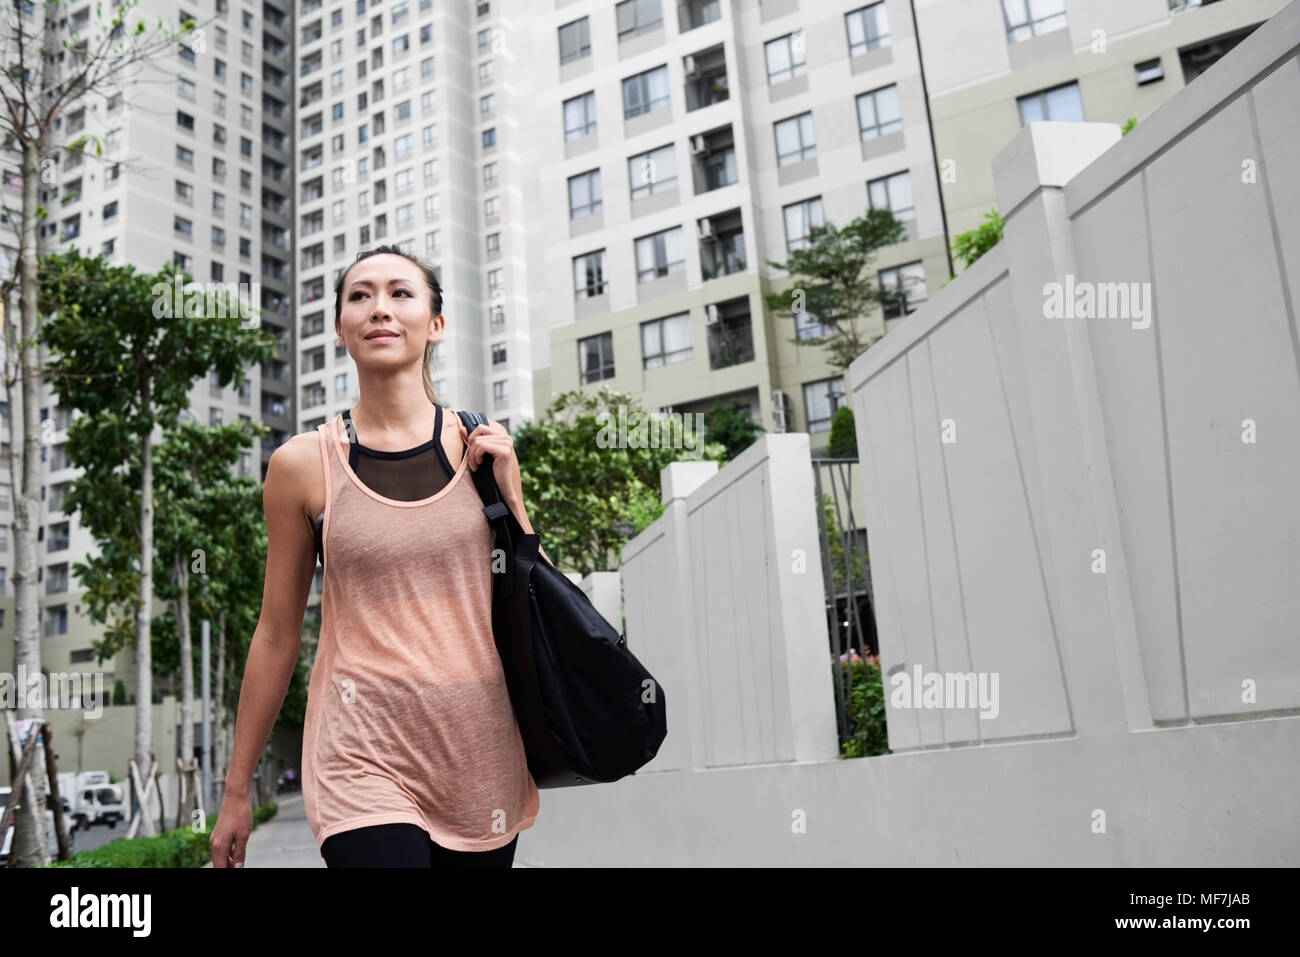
x: 237, y: 856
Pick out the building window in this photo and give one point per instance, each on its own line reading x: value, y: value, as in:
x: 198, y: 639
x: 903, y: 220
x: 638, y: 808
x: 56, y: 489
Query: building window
x: 1026, y: 19
x: 1060, y: 104
x: 489, y: 138
x: 1149, y: 71
x: 868, y: 29
x: 902, y: 289
x: 879, y: 113
x: 794, y: 139
x: 596, y: 358
x: 645, y: 92
x: 893, y: 193
x: 499, y: 393
x: 584, y: 194
x: 494, y: 244
x: 785, y: 58
x: 800, y: 218
x: 580, y: 116
x: 820, y: 400
x: 589, y: 274
x: 575, y: 41
x: 498, y: 353
x: 484, y: 39
x: 637, y: 17
x: 666, y: 341
x: 489, y: 174
x: 652, y: 172
x: 659, y: 254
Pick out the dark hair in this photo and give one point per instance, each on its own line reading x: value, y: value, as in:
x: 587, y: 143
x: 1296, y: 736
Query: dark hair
x: 430, y: 277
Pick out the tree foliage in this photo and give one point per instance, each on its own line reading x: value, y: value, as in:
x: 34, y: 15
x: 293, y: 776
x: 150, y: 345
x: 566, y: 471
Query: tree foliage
x: 579, y: 487
x: 974, y: 243
x: 832, y: 281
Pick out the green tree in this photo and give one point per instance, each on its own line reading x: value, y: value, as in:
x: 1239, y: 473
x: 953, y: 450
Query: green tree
x: 843, y: 443
x: 730, y: 425
x: 127, y: 360
x: 832, y: 281
x: 49, y: 70
x: 1127, y: 128
x: 580, y: 481
x: 974, y: 243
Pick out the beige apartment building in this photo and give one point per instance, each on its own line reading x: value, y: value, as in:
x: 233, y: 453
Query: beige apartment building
x: 681, y: 148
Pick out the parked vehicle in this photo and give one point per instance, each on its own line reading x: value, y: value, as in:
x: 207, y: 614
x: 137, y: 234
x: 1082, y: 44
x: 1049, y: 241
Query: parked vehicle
x: 92, y: 799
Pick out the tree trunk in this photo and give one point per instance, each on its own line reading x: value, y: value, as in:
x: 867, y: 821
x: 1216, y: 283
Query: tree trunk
x: 219, y: 700
x: 144, y: 617
x: 25, y: 478
x: 187, y: 670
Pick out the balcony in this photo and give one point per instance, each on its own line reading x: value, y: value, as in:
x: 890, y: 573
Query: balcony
x: 706, y: 78
x: 730, y: 335
x: 722, y: 245
x: 713, y: 160
x: 696, y: 13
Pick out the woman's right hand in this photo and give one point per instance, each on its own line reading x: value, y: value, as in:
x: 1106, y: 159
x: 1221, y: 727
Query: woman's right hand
x: 230, y: 836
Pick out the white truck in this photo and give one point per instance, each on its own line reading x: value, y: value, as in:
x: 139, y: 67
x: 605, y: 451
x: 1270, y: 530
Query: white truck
x: 91, y: 798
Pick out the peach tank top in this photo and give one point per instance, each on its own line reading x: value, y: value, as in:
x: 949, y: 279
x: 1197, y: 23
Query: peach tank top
x: 408, y: 717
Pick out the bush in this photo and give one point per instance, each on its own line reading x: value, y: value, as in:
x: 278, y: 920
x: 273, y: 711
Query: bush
x: 179, y: 848
x: 865, y: 705
x: 843, y: 443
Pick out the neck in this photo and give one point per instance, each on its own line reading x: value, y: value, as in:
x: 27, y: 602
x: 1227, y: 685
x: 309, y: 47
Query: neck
x: 392, y: 405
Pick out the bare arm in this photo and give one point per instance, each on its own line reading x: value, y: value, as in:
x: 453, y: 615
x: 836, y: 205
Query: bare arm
x: 273, y: 655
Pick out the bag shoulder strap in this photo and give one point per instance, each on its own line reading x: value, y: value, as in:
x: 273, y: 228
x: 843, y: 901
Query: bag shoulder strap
x: 495, y: 510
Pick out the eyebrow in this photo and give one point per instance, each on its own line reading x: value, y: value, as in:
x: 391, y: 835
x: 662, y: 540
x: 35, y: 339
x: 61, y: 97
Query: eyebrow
x: 366, y: 282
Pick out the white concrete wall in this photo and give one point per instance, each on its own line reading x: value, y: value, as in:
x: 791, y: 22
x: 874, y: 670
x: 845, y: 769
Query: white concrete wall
x: 1122, y: 737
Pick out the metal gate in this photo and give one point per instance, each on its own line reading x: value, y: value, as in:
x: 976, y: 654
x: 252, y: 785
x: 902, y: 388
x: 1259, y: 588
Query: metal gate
x: 846, y: 573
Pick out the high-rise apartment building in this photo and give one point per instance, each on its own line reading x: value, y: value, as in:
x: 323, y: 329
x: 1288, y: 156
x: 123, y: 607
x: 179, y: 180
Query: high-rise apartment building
x: 410, y: 132
x: 683, y: 147
x: 196, y: 170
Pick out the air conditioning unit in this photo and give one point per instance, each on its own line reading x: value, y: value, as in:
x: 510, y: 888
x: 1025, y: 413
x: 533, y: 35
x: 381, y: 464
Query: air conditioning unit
x: 706, y: 229
x: 698, y: 145
x: 711, y: 314
x: 780, y: 411
x: 689, y: 63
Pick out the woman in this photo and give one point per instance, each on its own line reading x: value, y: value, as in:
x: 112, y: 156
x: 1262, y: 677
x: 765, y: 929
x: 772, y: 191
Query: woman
x: 411, y: 754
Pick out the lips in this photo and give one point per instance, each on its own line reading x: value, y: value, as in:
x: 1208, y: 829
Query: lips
x: 382, y: 334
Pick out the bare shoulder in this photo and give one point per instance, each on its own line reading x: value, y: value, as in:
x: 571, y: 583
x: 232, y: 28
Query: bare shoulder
x: 295, y: 476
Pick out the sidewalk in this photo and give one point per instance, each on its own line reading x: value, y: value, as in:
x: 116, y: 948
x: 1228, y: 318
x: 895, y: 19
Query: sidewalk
x: 286, y: 839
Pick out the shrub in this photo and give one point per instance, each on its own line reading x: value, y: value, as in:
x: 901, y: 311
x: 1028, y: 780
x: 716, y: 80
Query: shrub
x: 179, y: 848
x: 865, y: 705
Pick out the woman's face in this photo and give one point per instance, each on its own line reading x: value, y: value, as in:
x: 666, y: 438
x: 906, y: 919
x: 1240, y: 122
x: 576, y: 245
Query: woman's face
x: 385, y: 317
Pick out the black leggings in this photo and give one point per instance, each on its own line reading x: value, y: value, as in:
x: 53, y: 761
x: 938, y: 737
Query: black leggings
x: 405, y: 845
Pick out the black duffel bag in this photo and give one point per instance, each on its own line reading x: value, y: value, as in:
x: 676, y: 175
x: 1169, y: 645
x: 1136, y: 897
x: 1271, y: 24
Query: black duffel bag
x: 587, y: 709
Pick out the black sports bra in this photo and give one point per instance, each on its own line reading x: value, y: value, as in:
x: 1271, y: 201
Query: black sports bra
x: 404, y: 476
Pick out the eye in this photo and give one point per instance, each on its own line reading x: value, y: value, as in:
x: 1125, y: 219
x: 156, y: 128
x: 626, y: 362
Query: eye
x: 406, y: 291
